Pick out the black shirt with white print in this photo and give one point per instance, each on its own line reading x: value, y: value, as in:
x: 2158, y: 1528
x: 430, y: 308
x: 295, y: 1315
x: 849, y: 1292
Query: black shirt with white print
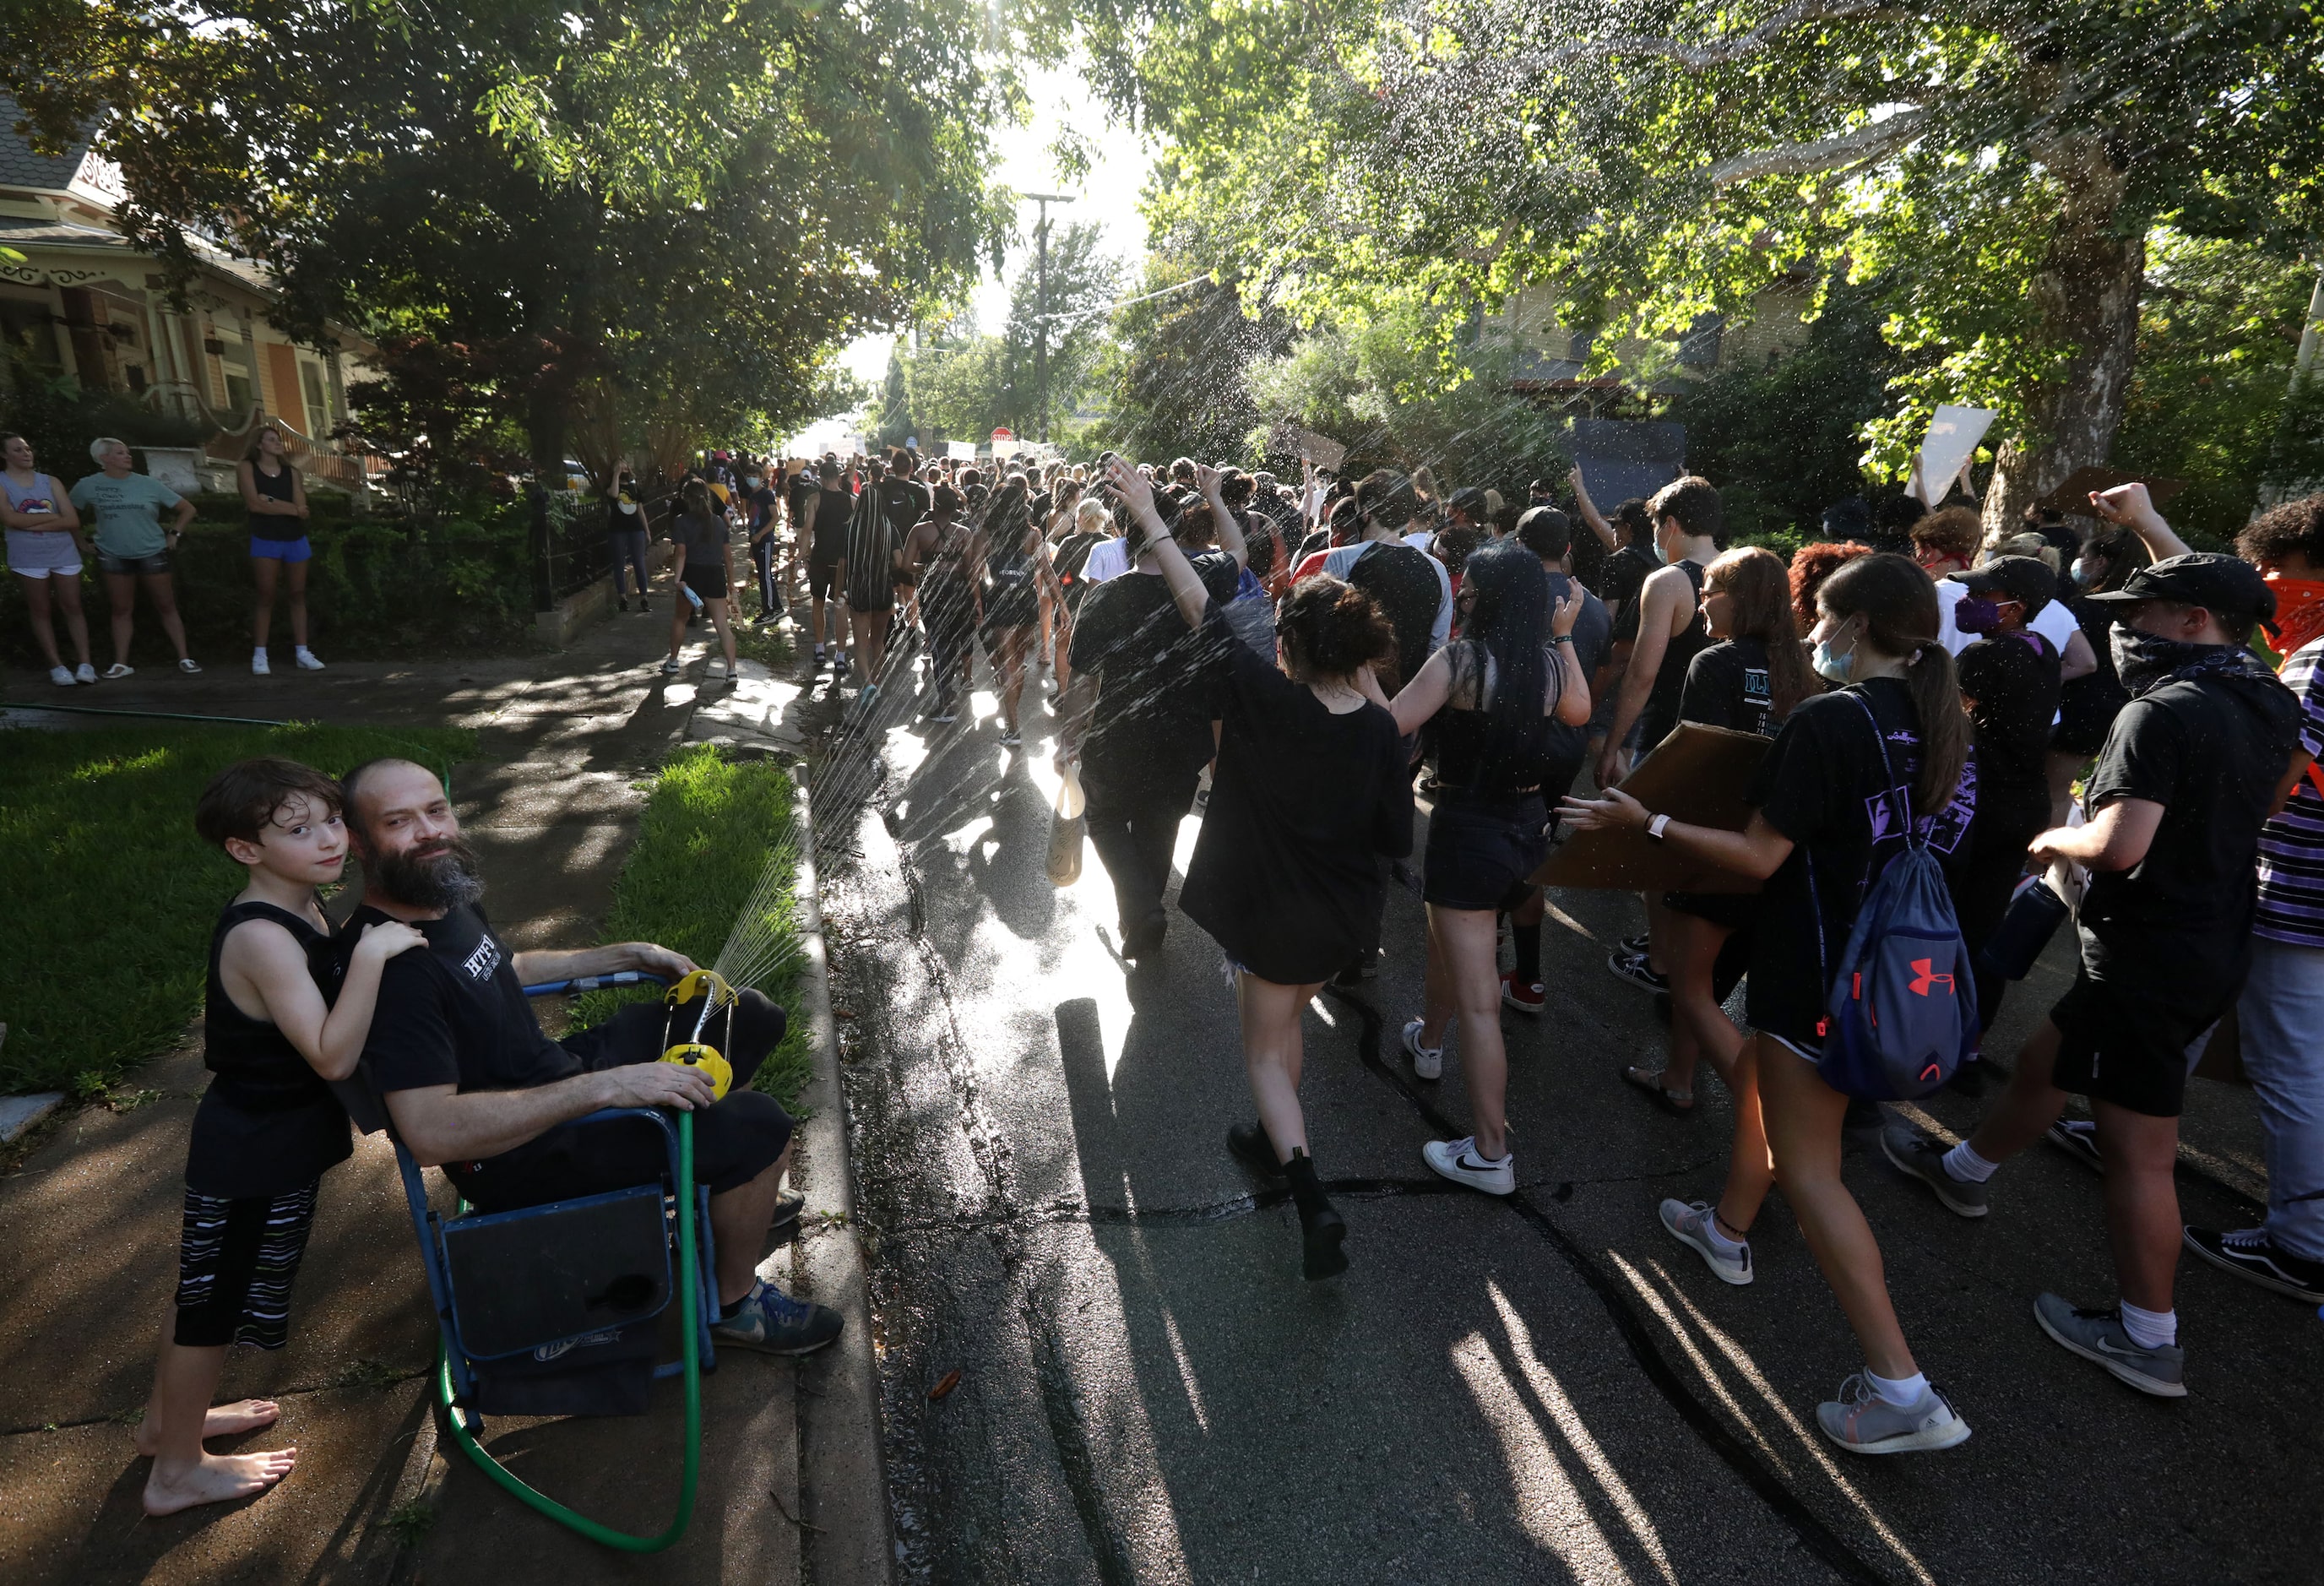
x: 1824, y: 787
x: 1727, y: 685
x: 455, y: 1014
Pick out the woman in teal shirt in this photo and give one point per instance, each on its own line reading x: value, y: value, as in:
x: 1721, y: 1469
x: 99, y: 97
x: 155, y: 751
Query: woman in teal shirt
x: 131, y: 547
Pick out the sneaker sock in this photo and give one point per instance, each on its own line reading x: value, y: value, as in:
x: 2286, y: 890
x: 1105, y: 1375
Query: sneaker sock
x: 2150, y: 1330
x: 1964, y: 1166
x: 728, y: 1313
x: 1719, y: 1241
x: 1528, y: 938
x: 1903, y: 1392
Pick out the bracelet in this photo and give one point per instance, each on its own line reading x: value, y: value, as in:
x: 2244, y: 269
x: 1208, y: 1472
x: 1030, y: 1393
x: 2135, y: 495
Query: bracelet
x: 1656, y: 825
x: 1560, y: 639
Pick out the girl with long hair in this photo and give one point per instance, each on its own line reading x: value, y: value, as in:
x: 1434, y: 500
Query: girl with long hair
x: 1490, y: 693
x: 1310, y: 793
x: 1749, y: 681
x: 276, y: 500
x: 1825, y: 823
x: 698, y: 534
x: 1011, y: 595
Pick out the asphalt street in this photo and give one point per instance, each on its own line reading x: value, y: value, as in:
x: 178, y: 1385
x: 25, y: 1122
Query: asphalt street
x: 1541, y: 1388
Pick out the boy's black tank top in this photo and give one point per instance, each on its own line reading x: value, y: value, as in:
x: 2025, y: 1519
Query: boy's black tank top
x: 1661, y: 712
x: 269, y: 1123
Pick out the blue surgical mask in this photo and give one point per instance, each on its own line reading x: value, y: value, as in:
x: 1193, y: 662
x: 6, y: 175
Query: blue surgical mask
x: 1833, y: 667
x: 2085, y: 575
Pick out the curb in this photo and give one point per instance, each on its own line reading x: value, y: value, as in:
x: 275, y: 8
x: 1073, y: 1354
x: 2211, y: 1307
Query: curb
x: 843, y: 1482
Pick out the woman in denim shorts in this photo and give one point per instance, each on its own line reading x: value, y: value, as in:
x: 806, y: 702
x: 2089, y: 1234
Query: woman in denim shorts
x: 133, y: 548
x: 45, y: 552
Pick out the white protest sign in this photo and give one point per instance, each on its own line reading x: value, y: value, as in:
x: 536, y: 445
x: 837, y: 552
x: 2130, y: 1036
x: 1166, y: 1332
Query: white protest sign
x: 1953, y: 435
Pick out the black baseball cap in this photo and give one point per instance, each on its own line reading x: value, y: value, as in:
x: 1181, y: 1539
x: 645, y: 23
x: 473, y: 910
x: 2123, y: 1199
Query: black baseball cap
x: 1468, y: 499
x: 2229, y: 589
x: 2027, y: 580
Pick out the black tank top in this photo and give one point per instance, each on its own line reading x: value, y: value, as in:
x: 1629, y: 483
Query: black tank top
x: 274, y: 525
x: 269, y: 1123
x: 1462, y: 736
x: 1661, y: 712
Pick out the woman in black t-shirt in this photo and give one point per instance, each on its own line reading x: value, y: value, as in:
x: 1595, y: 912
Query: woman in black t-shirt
x: 1823, y: 826
x: 1311, y: 793
x: 1748, y: 680
x: 700, y: 535
x: 1011, y: 595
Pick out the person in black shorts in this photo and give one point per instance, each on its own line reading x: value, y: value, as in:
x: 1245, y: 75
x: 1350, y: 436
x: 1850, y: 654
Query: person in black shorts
x: 2192, y: 767
x: 284, y: 1013
x: 473, y: 1085
x: 825, y: 534
x: 698, y: 536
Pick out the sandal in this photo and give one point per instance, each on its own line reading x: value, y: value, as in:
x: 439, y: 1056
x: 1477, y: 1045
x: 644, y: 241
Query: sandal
x: 118, y: 670
x: 1677, y: 1104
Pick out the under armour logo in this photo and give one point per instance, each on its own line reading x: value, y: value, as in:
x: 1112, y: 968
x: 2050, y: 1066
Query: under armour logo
x: 1923, y: 977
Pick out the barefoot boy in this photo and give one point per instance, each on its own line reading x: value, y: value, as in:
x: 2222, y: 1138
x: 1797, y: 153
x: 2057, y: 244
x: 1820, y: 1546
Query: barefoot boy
x: 268, y: 1126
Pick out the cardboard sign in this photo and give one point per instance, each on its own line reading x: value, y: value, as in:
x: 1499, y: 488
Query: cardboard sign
x: 2074, y: 492
x: 963, y: 450
x: 1620, y: 457
x: 1324, y: 452
x: 1697, y: 775
x: 1953, y: 435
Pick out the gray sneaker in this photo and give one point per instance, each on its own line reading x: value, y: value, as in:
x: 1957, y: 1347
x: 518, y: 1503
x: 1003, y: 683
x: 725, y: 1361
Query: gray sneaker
x: 1862, y: 1422
x: 1691, y: 1226
x: 773, y: 1322
x: 2099, y: 1336
x: 1916, y: 1154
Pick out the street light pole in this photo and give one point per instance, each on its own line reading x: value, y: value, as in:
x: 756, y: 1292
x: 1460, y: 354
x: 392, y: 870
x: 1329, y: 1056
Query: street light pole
x: 1041, y: 311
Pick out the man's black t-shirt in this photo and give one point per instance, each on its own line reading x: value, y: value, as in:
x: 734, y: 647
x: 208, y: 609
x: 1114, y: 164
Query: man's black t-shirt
x: 903, y: 504
x: 799, y: 489
x: 832, y: 517
x: 1626, y: 573
x: 1404, y: 584
x: 455, y: 1014
x: 1823, y: 786
x: 2010, y: 681
x: 763, y: 508
x: 1152, y: 724
x: 2176, y: 927
x: 1727, y: 686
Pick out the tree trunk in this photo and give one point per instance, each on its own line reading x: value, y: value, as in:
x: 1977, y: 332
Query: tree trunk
x: 2086, y: 295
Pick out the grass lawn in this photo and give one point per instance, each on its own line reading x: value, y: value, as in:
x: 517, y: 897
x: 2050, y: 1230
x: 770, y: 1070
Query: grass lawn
x: 109, y: 896
x: 710, y: 831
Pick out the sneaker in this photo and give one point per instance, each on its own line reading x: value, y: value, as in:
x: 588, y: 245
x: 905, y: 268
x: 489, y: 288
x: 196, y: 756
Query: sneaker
x: 1525, y: 999
x: 788, y: 1208
x: 1862, y: 1422
x: 625, y: 603
x: 946, y: 714
x: 258, y: 667
x: 673, y: 665
x: 84, y: 673
x: 189, y: 666
x: 1010, y: 738
x: 306, y: 660
x: 644, y: 604
x: 865, y: 700
x: 2099, y: 1336
x: 1635, y: 946
x: 1690, y: 1223
x: 1634, y: 968
x: 2251, y: 1255
x: 818, y: 655
x: 1458, y: 1160
x: 774, y: 1323
x: 1427, y: 1062
x: 2078, y: 1138
x: 1916, y: 1154
x: 1248, y: 1145
x: 61, y: 676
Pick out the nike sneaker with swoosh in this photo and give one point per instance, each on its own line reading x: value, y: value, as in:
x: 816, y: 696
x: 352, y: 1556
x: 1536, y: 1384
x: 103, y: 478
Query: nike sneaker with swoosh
x: 1919, y: 1156
x: 2099, y: 1336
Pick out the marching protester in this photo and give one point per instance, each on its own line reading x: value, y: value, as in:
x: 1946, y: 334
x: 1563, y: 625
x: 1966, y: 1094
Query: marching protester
x: 764, y: 513
x: 872, y: 542
x: 698, y: 536
x: 1491, y: 694
x: 1750, y: 681
x: 276, y: 499
x: 1078, y: 538
x: 1311, y: 790
x: 134, y: 549
x: 2088, y: 704
x: 1012, y: 614
x: 946, y: 556
x: 2279, y: 1016
x: 2192, y: 769
x: 823, y: 547
x: 626, y: 536
x: 1891, y: 739
x: 46, y: 553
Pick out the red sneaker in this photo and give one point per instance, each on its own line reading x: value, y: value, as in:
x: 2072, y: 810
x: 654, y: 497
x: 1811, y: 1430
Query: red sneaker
x: 1525, y: 999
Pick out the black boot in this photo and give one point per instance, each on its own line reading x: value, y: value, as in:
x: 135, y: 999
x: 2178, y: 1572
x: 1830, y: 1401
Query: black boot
x: 1321, y: 1230
x: 1248, y: 1145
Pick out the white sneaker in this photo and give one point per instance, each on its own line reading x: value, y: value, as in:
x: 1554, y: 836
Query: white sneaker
x: 1862, y: 1422
x: 1458, y: 1160
x: 307, y: 661
x: 258, y: 667
x: 61, y: 676
x: 84, y: 673
x: 1691, y: 1225
x: 1427, y: 1062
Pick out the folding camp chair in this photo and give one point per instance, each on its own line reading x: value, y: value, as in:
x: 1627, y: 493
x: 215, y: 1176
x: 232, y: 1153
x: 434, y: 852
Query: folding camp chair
x: 553, y: 1310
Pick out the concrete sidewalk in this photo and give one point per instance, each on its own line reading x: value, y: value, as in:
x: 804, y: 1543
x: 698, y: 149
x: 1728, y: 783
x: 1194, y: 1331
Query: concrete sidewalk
x: 91, y: 1215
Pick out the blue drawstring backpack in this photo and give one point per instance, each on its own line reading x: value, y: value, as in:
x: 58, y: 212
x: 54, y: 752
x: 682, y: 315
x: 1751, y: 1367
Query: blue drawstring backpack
x: 1901, y: 1012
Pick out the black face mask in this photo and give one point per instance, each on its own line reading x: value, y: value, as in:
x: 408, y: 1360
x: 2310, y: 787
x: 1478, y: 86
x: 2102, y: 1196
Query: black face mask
x: 2147, y: 661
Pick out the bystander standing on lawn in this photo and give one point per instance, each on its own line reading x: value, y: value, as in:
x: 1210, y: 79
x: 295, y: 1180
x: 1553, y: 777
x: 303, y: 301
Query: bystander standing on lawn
x: 134, y: 549
x: 277, y: 499
x: 46, y: 553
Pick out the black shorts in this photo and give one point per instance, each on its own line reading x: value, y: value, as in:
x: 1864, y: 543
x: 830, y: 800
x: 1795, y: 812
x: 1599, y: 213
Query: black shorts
x: 709, y: 583
x: 237, y: 1261
x: 821, y: 577
x: 1734, y: 910
x: 2127, y: 1049
x: 1482, y: 852
x: 733, y: 1142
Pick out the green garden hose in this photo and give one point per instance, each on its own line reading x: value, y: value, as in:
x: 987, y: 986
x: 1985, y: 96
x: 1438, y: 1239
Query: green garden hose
x: 690, y: 1287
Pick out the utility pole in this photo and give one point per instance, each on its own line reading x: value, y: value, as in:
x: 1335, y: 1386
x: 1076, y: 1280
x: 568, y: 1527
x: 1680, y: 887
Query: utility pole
x: 1041, y: 311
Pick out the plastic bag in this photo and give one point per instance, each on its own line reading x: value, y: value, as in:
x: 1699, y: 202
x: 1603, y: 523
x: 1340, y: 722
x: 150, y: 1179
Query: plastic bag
x: 1067, y: 824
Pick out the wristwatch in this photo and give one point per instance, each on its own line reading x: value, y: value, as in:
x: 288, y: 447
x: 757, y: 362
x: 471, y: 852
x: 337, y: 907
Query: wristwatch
x: 1656, y: 825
